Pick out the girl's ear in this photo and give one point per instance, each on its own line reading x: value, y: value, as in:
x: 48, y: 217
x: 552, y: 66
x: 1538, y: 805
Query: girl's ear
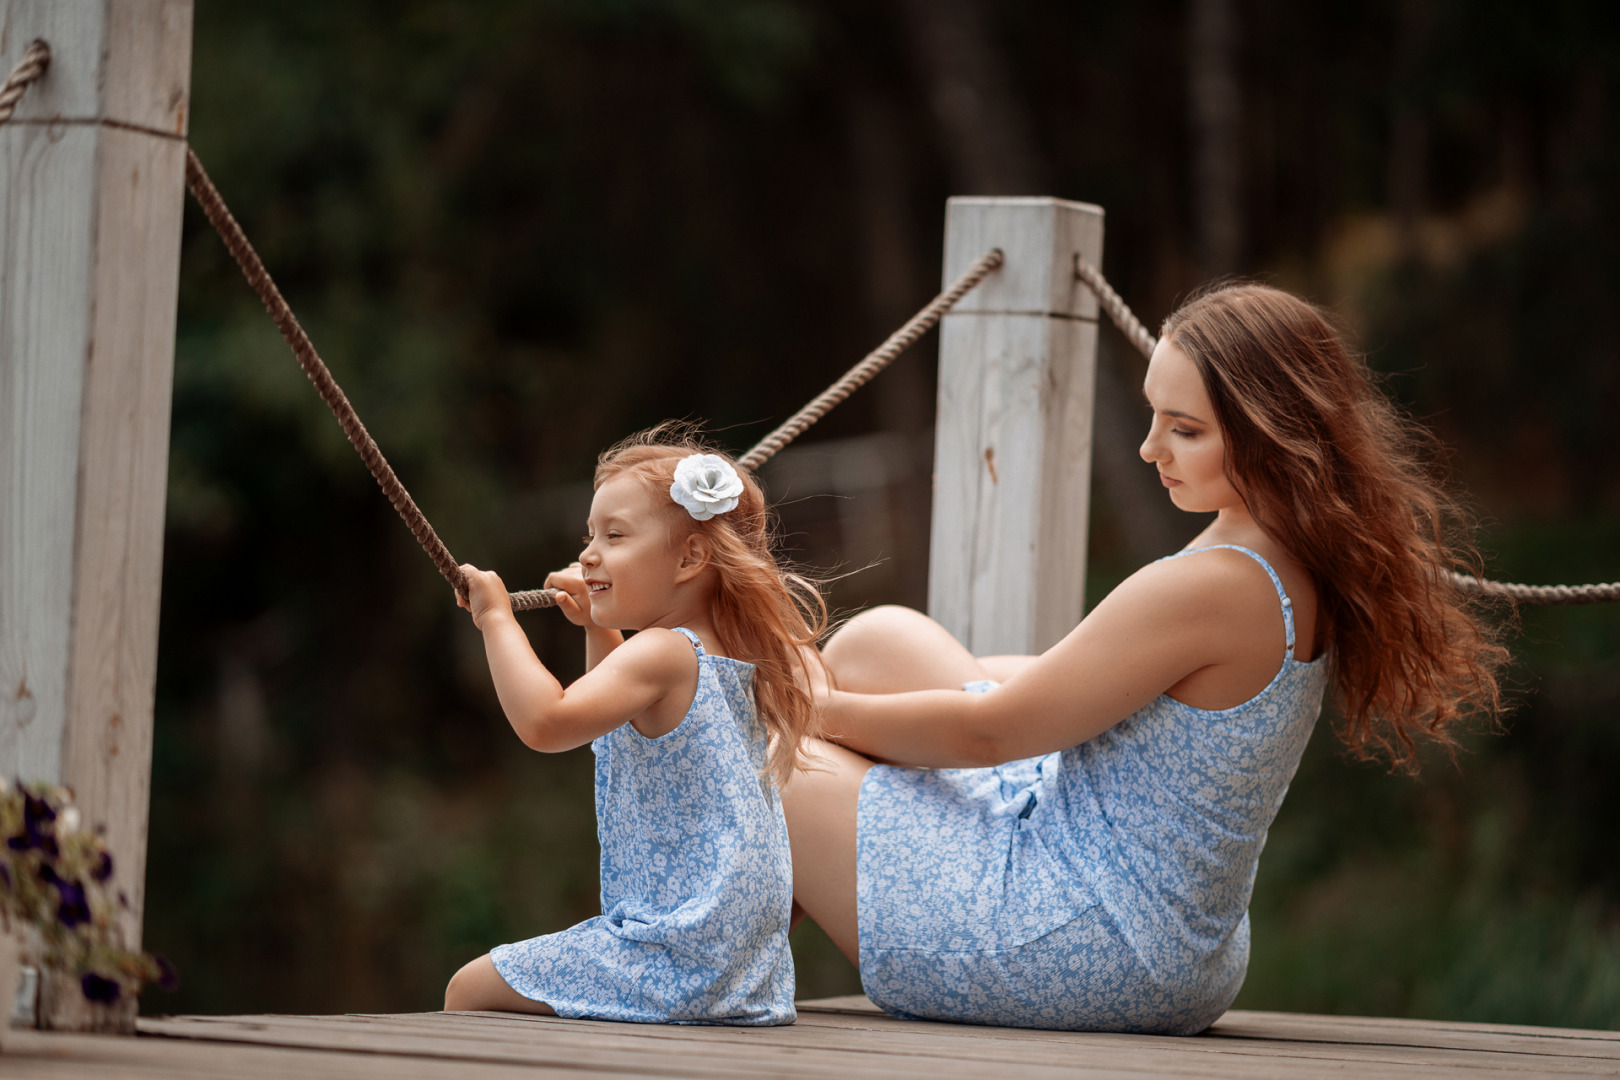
x: 695, y: 557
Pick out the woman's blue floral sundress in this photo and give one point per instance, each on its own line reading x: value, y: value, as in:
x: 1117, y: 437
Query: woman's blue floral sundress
x: 1104, y: 887
x: 697, y: 879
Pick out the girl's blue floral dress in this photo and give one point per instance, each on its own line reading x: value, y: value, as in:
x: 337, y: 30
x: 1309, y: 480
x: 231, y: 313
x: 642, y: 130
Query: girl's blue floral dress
x: 697, y: 879
x: 1105, y: 887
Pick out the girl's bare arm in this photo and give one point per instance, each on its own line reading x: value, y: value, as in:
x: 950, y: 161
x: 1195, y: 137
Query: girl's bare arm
x: 633, y: 679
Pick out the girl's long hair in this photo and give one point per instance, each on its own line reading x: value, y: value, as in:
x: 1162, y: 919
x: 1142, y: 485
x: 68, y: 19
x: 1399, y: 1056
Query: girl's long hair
x: 764, y: 614
x: 1334, y: 473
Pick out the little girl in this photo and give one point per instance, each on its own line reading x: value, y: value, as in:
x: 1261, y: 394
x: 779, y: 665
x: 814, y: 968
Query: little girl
x: 694, y: 721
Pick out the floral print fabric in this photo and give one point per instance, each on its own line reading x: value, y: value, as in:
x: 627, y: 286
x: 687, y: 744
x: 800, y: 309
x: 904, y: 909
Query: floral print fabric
x: 1103, y: 888
x: 697, y: 879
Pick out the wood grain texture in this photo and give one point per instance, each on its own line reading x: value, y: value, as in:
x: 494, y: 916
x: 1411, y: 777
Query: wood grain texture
x: 1012, y: 465
x: 122, y: 484
x: 91, y: 207
x: 47, y: 243
x: 1040, y: 237
x: 847, y: 1039
x: 125, y: 61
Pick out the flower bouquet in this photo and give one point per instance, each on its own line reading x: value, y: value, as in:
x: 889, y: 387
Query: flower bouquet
x: 56, y: 878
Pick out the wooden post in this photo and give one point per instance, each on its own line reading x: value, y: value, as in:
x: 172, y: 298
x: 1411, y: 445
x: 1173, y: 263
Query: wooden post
x: 92, y: 172
x: 1012, y: 458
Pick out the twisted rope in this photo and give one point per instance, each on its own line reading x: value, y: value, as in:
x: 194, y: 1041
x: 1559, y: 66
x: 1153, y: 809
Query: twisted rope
x: 1544, y: 595
x: 1547, y: 595
x: 236, y: 242
x: 875, y: 361
x: 35, y: 59
x: 1111, y: 302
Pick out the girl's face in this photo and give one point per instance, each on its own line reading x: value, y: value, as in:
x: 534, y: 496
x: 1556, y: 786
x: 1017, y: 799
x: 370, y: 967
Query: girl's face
x: 631, y: 562
x: 1183, y: 439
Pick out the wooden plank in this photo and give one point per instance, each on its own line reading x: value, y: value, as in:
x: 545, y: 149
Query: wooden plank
x: 1012, y: 462
x: 1307, y: 1027
x: 31, y: 1055
x: 858, y: 1045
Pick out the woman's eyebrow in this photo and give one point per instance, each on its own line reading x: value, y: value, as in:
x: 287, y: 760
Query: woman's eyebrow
x: 1175, y: 413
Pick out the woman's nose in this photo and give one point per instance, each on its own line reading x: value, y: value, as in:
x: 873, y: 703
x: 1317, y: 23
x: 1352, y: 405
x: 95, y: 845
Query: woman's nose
x: 1149, y: 448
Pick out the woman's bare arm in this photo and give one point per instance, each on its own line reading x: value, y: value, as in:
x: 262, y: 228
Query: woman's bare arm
x: 1166, y: 622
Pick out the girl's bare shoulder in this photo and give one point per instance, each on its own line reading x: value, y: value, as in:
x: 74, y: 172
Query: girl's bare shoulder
x: 655, y: 654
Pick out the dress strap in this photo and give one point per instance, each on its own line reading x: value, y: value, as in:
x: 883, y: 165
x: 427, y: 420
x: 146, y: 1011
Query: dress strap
x: 1276, y: 582
x: 698, y: 645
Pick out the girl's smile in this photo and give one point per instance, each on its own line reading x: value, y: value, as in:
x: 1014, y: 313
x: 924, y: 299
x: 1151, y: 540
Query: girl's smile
x: 632, y: 564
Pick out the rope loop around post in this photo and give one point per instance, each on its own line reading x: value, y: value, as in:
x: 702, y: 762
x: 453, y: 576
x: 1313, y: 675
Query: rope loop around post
x: 36, y: 59
x: 874, y: 362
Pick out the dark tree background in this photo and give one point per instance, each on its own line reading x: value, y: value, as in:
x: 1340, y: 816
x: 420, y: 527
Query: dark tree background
x: 521, y: 229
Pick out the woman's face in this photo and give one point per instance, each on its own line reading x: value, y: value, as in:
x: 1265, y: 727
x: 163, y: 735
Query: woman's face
x: 1183, y: 440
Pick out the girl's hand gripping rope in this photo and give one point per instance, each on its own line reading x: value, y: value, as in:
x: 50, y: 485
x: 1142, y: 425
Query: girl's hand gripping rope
x: 486, y: 595
x: 574, y: 600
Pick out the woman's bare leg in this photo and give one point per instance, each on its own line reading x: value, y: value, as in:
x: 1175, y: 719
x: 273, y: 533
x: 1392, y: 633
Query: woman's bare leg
x: 890, y: 649
x: 478, y: 987
x: 1002, y: 668
x: 820, y: 808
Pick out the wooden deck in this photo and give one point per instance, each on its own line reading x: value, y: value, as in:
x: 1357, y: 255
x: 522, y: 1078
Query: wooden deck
x: 840, y: 1038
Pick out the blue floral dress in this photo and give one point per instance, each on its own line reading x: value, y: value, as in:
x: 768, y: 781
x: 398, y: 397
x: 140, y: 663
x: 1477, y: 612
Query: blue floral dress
x: 1101, y: 888
x: 697, y: 879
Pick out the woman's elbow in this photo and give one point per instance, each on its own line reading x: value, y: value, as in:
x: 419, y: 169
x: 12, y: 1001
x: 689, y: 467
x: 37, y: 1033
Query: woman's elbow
x: 981, y: 749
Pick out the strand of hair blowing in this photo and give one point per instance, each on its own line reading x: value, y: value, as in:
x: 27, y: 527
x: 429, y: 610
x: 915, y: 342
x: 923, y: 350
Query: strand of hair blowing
x: 1332, y: 471
x: 763, y: 614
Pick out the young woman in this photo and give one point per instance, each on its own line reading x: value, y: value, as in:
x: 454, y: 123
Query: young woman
x: 1076, y: 846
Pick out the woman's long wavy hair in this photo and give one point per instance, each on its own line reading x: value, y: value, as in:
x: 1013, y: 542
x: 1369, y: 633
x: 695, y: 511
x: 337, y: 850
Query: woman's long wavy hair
x: 1332, y: 471
x: 764, y: 614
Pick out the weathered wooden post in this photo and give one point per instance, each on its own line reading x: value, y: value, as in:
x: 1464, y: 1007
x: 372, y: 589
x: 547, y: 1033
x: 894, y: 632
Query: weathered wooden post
x: 1012, y: 458
x: 92, y: 171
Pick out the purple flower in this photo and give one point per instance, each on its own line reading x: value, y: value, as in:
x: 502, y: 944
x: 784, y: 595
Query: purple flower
x: 103, y: 868
x: 74, y: 909
x: 98, y: 989
x: 168, y: 978
x: 37, y: 816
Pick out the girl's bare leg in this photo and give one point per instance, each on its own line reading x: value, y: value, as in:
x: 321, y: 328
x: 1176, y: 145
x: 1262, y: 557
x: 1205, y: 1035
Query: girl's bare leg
x: 478, y: 987
x: 890, y: 649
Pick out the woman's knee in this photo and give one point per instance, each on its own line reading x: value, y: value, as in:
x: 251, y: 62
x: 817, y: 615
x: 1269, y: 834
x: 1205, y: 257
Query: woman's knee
x: 891, y: 648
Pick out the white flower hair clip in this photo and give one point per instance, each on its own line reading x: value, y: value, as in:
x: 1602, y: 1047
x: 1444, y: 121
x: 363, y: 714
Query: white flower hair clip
x: 705, y: 485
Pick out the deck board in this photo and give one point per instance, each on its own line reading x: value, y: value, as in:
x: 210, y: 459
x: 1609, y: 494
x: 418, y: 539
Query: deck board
x: 835, y: 1039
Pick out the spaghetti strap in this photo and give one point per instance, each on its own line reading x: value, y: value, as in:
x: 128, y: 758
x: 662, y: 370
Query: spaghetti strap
x: 698, y: 645
x: 1276, y: 582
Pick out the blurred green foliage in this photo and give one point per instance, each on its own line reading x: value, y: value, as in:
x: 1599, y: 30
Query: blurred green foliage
x: 521, y: 229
